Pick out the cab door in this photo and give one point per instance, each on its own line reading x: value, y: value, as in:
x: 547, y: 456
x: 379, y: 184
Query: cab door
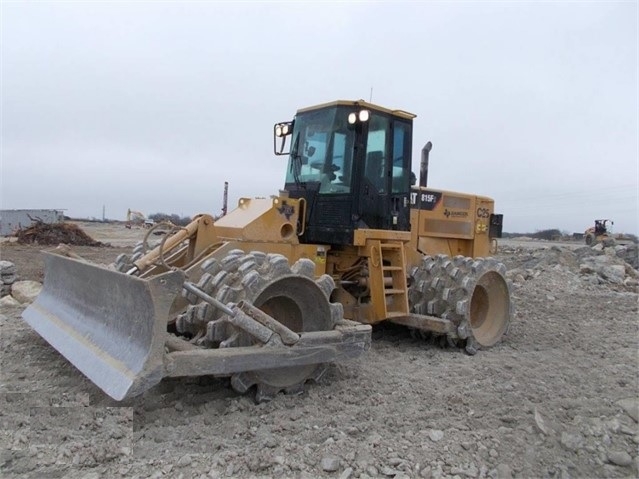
x: 384, y: 172
x: 401, y: 175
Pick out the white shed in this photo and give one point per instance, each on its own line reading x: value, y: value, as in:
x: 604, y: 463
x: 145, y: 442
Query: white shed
x: 13, y: 220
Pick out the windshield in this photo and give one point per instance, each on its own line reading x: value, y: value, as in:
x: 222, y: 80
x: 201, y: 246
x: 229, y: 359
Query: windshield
x: 322, y: 150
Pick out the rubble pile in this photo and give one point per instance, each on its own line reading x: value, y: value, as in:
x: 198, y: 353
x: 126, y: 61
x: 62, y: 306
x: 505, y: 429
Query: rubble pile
x: 53, y: 234
x: 613, y: 265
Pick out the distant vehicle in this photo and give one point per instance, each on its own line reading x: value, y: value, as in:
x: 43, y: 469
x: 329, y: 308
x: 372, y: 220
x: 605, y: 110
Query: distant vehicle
x: 599, y: 232
x: 136, y: 218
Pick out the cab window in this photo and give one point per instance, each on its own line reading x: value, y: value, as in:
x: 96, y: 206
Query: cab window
x: 376, y: 155
x: 401, y: 169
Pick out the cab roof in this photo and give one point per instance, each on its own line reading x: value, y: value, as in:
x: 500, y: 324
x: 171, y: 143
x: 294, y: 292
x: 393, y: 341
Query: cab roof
x: 360, y: 104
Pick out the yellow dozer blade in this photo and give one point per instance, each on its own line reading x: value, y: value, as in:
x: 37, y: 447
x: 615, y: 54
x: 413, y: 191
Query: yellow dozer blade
x: 109, y: 325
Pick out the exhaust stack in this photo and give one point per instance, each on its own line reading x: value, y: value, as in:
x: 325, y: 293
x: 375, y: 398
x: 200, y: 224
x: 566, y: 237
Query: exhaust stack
x: 423, y: 170
x: 225, y: 201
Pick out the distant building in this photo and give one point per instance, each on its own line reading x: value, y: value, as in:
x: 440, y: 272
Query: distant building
x: 13, y: 220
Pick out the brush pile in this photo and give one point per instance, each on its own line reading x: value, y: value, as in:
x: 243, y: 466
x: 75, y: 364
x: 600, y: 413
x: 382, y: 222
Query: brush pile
x: 53, y: 234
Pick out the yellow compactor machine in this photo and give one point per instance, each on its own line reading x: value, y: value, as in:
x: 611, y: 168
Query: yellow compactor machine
x: 272, y: 292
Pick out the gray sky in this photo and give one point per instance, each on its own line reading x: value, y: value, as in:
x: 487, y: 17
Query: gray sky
x: 152, y: 106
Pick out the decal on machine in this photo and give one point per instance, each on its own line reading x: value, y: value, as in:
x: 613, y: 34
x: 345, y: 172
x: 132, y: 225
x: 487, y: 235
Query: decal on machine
x: 320, y: 256
x: 483, y: 212
x: 455, y: 214
x: 286, y: 210
x: 425, y: 200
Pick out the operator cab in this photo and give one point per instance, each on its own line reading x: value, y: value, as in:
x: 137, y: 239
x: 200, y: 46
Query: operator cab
x: 601, y: 227
x: 351, y: 162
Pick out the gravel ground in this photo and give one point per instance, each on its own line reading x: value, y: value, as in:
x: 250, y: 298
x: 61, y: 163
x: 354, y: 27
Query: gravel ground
x: 559, y: 397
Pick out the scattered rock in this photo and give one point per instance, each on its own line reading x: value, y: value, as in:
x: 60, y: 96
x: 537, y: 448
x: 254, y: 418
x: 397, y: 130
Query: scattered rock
x: 348, y: 472
x: 184, y: 461
x: 8, y: 276
x: 7, y: 268
x: 539, y: 421
x: 436, y: 435
x: 503, y: 471
x: 615, y: 273
x: 571, y: 442
x: 470, y: 471
x: 631, y: 407
x: 389, y: 471
x: 270, y: 442
x: 620, y: 458
x: 9, y: 301
x: 330, y: 464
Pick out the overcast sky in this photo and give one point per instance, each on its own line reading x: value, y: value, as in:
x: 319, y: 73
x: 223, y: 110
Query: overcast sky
x: 153, y: 105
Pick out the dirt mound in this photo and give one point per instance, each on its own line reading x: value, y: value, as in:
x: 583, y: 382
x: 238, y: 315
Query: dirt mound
x: 53, y: 234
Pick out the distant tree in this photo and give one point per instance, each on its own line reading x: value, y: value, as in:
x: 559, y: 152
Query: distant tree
x: 550, y: 234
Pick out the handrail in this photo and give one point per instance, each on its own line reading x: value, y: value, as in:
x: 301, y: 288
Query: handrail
x: 303, y: 212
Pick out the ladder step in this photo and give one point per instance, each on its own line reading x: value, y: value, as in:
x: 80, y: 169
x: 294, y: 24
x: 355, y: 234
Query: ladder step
x: 391, y: 246
x: 392, y: 268
x: 394, y: 291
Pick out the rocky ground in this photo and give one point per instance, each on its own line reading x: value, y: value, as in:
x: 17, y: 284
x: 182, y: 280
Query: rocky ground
x: 558, y: 398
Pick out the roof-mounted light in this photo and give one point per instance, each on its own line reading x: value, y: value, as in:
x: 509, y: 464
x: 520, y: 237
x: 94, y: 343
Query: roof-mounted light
x: 360, y: 116
x: 281, y: 130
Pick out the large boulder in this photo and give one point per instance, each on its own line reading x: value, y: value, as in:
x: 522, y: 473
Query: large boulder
x: 26, y: 291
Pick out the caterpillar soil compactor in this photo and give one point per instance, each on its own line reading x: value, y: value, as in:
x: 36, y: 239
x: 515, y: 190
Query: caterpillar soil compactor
x: 598, y: 233
x: 276, y: 289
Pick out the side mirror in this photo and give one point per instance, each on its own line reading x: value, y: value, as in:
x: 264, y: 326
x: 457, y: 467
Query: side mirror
x: 282, y: 131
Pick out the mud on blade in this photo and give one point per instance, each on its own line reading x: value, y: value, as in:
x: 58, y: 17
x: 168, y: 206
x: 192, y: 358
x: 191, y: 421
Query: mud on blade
x: 109, y: 325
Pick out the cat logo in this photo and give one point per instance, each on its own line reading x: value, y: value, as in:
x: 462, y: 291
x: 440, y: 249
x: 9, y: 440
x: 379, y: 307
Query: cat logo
x: 425, y: 200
